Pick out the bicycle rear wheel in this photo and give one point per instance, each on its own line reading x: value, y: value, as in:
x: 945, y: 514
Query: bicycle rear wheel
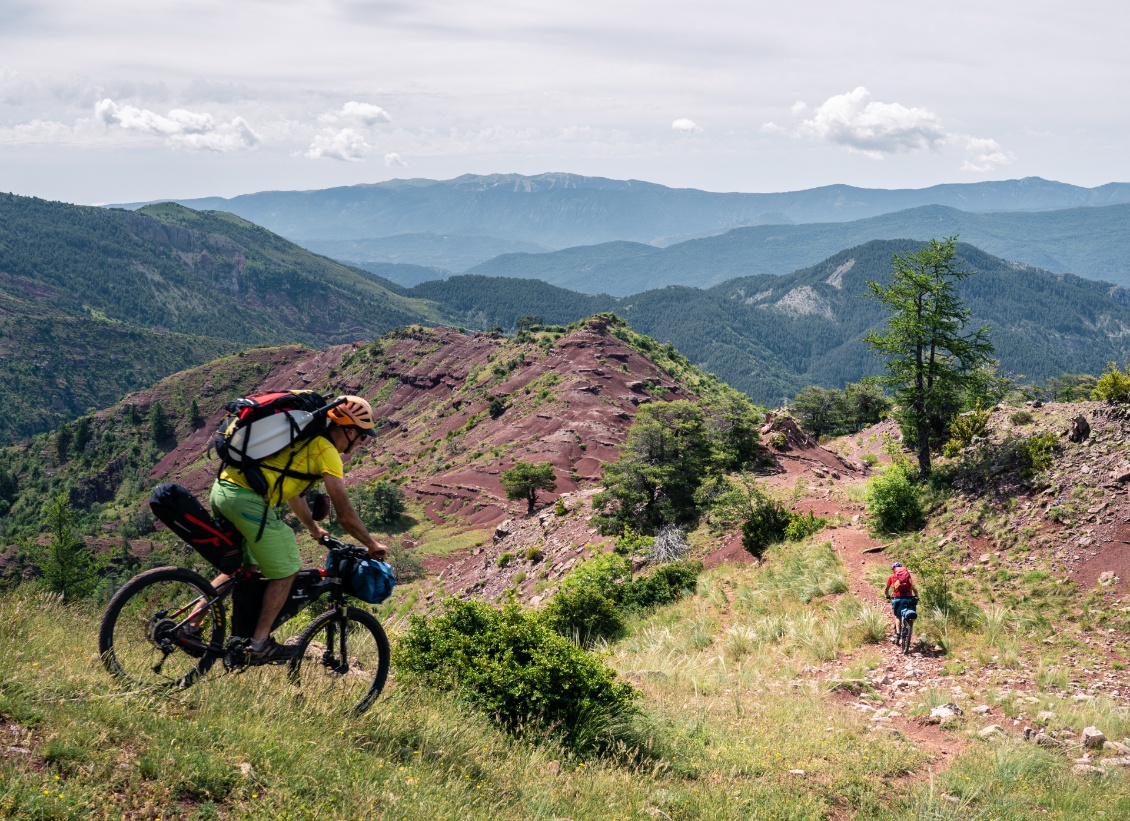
x: 342, y: 656
x: 139, y: 639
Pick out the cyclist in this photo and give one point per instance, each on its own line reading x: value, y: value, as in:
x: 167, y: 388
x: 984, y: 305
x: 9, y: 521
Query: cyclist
x: 900, y: 583
x: 268, y: 542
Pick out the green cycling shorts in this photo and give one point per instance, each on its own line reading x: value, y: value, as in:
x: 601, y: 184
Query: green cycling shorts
x: 276, y: 551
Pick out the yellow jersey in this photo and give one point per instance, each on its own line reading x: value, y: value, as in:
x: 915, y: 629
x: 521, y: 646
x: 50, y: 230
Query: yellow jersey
x: 316, y: 457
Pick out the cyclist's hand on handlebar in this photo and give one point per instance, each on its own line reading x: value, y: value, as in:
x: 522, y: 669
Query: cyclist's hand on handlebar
x: 379, y: 552
x: 319, y: 534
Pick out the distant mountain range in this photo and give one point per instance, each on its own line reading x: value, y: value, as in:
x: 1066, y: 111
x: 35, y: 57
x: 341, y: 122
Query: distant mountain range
x: 455, y: 224
x: 1091, y: 242
x: 769, y: 336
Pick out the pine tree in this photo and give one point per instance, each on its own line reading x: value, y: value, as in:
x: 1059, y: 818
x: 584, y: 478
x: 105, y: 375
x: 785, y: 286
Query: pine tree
x: 929, y: 358
x: 69, y: 568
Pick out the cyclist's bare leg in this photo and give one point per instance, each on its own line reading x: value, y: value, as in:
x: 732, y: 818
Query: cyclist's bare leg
x: 196, y: 617
x: 274, y: 597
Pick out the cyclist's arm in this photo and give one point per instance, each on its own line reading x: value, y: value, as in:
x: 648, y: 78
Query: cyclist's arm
x: 302, y: 510
x: 348, y: 517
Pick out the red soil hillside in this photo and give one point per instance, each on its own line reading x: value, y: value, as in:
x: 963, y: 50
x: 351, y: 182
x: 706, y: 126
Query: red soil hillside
x: 563, y: 398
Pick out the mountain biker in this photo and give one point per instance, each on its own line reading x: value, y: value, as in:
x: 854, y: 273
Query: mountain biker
x: 271, y: 544
x: 905, y: 593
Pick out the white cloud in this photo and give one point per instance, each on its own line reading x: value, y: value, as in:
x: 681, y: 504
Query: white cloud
x: 347, y: 145
x: 685, y: 126
x: 395, y: 161
x: 362, y: 114
x: 982, y: 154
x: 37, y: 132
x: 181, y: 128
x: 861, y: 124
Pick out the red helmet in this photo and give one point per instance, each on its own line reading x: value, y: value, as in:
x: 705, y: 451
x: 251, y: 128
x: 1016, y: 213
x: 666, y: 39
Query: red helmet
x: 353, y: 412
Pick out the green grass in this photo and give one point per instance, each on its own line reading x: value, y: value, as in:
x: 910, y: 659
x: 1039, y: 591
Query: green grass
x: 728, y: 705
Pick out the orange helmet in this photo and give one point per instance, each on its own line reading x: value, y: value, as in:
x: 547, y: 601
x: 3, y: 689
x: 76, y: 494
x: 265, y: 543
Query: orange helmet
x: 353, y: 411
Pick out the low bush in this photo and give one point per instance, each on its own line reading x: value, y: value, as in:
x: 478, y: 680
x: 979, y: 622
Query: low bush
x: 963, y: 428
x: 1037, y: 453
x: 803, y: 525
x: 504, y: 558
x: 767, y: 524
x: 893, y: 499
x: 1021, y: 417
x: 664, y: 586
x: 585, y: 615
x: 1113, y: 385
x: 509, y: 664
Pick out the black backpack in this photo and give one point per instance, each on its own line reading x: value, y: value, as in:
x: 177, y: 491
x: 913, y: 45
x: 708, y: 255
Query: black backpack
x: 217, y: 541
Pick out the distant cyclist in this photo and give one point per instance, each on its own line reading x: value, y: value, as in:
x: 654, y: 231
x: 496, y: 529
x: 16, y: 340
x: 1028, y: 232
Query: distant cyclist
x: 902, y: 587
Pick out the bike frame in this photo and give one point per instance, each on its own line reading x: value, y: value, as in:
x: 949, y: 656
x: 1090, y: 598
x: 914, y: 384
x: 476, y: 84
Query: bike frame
x: 226, y: 588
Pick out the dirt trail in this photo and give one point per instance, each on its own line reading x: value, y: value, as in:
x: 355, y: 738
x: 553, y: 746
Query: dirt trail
x: 830, y: 485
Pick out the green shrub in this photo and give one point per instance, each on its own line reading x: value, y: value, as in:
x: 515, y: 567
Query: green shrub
x: 585, y: 615
x: 803, y: 525
x: 1113, y: 385
x: 766, y: 524
x: 535, y: 554
x: 559, y: 508
x: 603, y: 573
x: 778, y: 440
x: 1037, y: 453
x: 504, y: 558
x: 512, y: 667
x: 869, y: 459
x: 632, y: 542
x: 893, y: 499
x: 964, y: 427
x: 665, y: 585
x: 1021, y: 417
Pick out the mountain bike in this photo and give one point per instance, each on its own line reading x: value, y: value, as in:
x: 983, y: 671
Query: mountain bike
x: 168, y: 626
x: 906, y: 623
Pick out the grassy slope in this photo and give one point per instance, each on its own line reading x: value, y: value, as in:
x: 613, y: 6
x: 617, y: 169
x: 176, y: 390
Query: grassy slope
x: 733, y: 711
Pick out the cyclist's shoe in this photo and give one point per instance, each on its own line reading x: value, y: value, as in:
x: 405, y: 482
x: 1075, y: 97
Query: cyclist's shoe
x: 271, y: 653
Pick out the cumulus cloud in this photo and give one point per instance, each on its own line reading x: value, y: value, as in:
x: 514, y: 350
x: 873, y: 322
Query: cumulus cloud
x: 355, y: 113
x: 982, y: 154
x: 346, y: 144
x: 395, y: 161
x: 864, y: 125
x: 181, y: 128
x: 685, y: 126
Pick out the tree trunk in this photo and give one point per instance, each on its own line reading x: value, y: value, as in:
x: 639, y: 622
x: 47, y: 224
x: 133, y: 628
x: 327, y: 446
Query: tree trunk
x: 922, y: 434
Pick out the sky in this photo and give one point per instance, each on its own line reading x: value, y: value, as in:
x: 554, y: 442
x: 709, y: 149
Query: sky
x: 124, y: 101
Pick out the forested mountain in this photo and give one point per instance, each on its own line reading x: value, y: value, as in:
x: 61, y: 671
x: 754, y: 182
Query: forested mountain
x: 770, y: 335
x: 440, y: 253
x: 95, y: 302
x: 565, y: 210
x: 1089, y: 242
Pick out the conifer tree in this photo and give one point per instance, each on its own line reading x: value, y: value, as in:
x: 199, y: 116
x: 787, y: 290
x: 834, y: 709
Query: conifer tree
x: 930, y: 359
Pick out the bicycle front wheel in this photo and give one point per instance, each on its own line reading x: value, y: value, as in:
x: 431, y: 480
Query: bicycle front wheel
x: 141, y: 638
x: 907, y: 629
x: 343, y: 657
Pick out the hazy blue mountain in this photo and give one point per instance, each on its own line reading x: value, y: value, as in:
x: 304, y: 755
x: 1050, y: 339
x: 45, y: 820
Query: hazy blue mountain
x: 564, y: 210
x: 449, y: 252
x: 771, y: 335
x: 1092, y: 242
